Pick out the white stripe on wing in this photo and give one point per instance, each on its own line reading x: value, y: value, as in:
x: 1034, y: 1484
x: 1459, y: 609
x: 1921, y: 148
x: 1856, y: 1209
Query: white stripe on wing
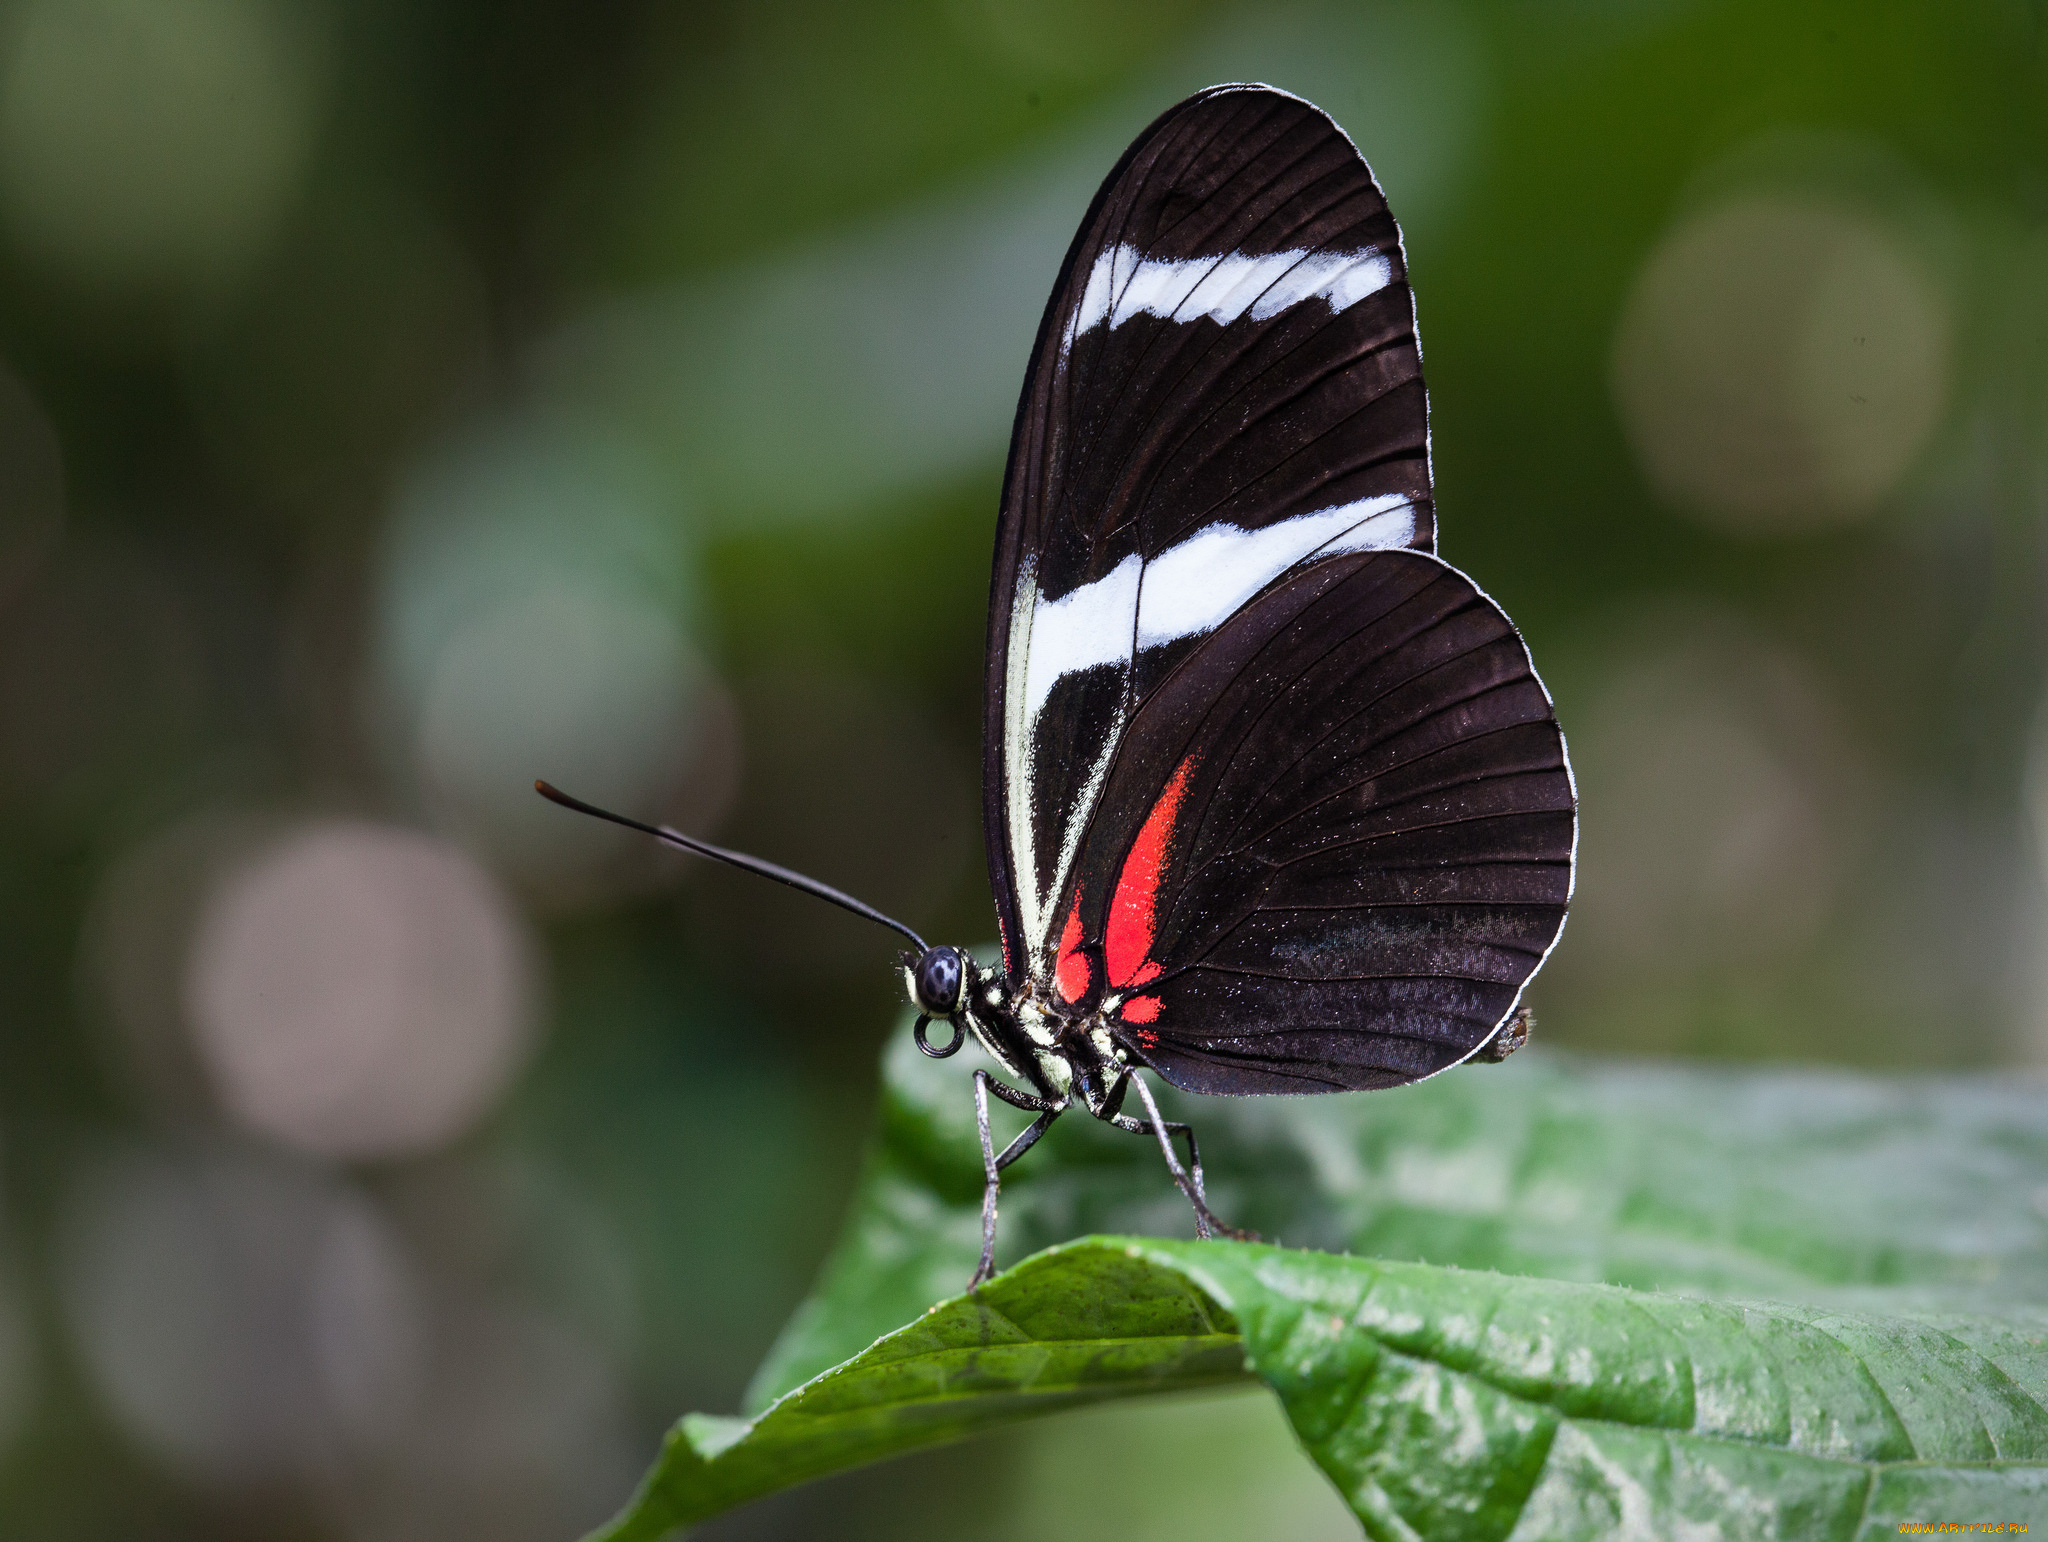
x: 1123, y: 284
x: 1185, y: 591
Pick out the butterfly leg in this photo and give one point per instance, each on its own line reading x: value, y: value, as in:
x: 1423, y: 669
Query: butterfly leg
x: 1206, y: 1223
x: 1113, y: 1112
x: 993, y: 1164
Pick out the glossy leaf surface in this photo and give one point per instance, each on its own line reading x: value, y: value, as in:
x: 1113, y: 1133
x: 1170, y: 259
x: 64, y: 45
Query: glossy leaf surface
x: 1878, y: 1350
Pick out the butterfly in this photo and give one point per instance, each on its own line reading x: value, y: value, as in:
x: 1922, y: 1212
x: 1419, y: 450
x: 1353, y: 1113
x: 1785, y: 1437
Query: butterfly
x: 1274, y: 799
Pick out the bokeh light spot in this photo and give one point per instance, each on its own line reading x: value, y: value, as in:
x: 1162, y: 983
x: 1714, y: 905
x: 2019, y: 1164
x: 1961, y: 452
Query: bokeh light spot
x: 533, y: 622
x: 588, y: 689
x: 209, y: 1294
x: 144, y: 142
x: 1717, y: 806
x: 360, y: 991
x: 1780, y: 364
x: 269, y: 1331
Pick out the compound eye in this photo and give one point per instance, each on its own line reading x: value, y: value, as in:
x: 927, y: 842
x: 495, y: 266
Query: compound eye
x: 938, y: 977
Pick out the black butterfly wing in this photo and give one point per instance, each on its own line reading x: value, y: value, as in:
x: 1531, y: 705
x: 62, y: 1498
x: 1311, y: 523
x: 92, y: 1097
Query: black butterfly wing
x: 1226, y: 388
x: 1335, y: 843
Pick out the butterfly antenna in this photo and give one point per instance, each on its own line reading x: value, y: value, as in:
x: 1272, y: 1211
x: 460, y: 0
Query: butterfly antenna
x: 738, y: 859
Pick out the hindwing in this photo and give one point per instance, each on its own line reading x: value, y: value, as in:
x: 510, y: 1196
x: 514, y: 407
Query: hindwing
x: 1333, y: 846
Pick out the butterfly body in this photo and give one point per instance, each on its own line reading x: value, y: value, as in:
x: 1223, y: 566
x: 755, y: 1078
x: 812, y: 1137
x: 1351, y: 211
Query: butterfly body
x: 1068, y: 1057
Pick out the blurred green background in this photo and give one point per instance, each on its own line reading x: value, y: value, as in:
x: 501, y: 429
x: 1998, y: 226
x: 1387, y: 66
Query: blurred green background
x: 401, y: 401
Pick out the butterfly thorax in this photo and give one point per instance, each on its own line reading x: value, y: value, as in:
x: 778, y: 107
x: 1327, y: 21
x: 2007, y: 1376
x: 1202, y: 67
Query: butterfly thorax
x: 1064, y: 1057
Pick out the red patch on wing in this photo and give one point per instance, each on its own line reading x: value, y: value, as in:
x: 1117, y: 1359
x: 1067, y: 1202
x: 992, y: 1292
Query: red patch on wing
x: 1140, y: 1009
x: 1128, y: 937
x: 1071, y: 973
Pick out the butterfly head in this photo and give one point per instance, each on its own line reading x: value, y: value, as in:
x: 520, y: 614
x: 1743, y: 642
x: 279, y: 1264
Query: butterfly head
x: 940, y: 981
x: 947, y: 985
x: 936, y: 979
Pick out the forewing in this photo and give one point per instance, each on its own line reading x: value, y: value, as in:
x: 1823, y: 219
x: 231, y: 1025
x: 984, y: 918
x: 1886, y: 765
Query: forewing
x: 1226, y: 389
x: 1335, y: 844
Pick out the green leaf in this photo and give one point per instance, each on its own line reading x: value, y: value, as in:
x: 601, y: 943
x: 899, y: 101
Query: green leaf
x: 1789, y: 1185
x: 1456, y: 1405
x: 1060, y: 1331
x: 1838, y: 1320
